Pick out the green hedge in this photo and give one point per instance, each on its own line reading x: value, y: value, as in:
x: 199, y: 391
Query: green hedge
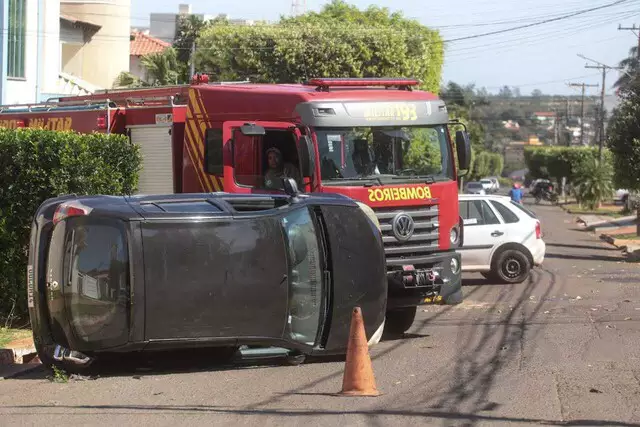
x: 555, y: 162
x: 39, y: 164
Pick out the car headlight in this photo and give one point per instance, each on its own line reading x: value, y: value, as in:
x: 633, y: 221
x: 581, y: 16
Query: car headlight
x: 455, y: 265
x: 454, y: 235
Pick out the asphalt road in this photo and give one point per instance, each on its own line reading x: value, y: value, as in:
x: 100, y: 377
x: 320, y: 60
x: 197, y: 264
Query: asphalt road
x: 560, y: 349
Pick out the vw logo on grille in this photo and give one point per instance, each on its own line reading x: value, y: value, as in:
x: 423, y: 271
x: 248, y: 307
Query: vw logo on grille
x: 403, y: 226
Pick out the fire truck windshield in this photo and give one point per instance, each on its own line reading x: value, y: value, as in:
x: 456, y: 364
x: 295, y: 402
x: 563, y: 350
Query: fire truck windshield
x: 384, y: 154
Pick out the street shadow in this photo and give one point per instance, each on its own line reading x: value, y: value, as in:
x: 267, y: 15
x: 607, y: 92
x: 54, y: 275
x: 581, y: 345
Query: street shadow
x: 372, y: 415
x: 588, y: 247
x: 487, y: 346
x: 138, y: 365
x: 603, y: 258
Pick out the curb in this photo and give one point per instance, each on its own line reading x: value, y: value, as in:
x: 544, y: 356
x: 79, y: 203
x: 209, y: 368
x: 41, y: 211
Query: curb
x: 17, y: 355
x: 10, y: 371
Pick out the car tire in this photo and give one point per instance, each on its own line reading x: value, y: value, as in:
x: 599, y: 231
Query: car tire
x: 511, y: 266
x: 399, y: 321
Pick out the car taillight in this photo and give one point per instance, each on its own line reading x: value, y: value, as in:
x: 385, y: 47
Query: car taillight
x: 538, y: 230
x: 69, y: 209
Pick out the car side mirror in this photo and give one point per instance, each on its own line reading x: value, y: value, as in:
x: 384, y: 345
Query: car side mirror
x: 290, y: 187
x: 463, y: 150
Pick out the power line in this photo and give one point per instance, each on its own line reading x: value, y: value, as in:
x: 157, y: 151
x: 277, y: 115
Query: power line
x: 633, y: 30
x: 583, y: 86
x: 546, y: 21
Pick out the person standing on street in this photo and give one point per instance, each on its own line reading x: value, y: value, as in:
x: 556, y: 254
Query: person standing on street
x: 516, y: 193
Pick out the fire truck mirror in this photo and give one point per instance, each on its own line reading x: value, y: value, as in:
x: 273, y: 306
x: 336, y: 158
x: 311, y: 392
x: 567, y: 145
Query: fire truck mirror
x: 251, y: 129
x: 463, y: 150
x: 307, y: 155
x: 290, y: 187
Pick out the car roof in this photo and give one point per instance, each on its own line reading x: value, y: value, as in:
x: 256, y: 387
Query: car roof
x: 484, y: 196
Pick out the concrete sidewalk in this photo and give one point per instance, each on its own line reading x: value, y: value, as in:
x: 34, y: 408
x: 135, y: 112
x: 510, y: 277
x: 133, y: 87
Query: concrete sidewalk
x: 603, y: 222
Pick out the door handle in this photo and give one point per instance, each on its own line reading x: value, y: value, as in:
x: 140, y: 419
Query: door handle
x: 497, y: 233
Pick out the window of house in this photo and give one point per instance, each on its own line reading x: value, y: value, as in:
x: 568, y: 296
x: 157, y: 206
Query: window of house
x: 16, y: 38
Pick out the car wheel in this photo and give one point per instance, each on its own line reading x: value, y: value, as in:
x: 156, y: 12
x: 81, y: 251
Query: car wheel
x: 512, y: 266
x: 399, y: 321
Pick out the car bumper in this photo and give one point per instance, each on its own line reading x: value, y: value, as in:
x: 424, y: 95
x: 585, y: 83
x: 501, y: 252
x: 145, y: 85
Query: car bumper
x: 538, y: 251
x: 447, y: 289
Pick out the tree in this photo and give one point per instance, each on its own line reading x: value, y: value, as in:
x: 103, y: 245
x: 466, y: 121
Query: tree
x: 593, y: 182
x: 161, y: 69
x: 624, y: 140
x: 630, y: 70
x: 188, y: 29
x: 375, y: 43
x: 537, y: 93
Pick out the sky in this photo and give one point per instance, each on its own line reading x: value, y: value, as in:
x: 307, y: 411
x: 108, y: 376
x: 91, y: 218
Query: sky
x: 541, y: 57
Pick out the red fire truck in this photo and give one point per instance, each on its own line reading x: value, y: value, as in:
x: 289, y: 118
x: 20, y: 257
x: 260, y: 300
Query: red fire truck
x: 378, y: 141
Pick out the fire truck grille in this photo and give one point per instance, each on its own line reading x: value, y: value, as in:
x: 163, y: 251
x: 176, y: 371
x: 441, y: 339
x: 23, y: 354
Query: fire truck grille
x: 423, y: 241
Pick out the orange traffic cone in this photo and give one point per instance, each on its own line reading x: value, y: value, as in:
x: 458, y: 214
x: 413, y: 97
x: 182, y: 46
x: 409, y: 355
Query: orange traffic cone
x: 358, y: 377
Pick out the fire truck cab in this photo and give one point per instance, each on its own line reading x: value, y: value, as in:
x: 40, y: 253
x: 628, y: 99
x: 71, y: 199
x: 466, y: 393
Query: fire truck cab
x: 374, y: 140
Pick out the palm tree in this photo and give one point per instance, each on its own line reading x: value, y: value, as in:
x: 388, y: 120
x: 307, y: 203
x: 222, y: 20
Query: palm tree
x: 162, y: 68
x: 630, y: 69
x: 593, y: 183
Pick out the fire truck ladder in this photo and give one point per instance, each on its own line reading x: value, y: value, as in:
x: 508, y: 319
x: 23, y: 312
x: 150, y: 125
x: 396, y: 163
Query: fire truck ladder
x: 126, y: 96
x: 52, y: 105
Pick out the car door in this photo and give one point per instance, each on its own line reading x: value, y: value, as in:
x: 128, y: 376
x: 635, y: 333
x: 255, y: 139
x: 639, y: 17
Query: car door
x: 483, y: 231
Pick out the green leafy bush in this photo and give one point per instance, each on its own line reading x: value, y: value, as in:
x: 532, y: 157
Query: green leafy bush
x: 557, y: 162
x: 295, y: 51
x: 593, y: 182
x: 39, y: 164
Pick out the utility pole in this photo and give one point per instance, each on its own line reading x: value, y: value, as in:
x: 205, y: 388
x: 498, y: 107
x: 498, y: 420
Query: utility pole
x: 604, y: 68
x: 193, y: 59
x: 583, y: 86
x: 636, y: 31
x: 601, y: 112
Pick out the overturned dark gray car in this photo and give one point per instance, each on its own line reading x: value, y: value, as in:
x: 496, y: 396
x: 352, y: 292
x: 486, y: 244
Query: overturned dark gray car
x: 109, y: 275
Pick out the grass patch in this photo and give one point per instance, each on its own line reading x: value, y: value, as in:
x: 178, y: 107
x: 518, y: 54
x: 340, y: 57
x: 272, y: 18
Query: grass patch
x: 608, y: 210
x: 626, y: 236
x: 8, y: 335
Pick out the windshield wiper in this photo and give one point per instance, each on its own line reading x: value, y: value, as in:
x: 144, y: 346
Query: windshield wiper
x: 428, y: 179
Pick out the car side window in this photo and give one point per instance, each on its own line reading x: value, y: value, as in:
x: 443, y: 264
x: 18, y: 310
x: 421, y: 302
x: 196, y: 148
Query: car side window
x: 488, y: 215
x: 477, y: 212
x: 506, y: 214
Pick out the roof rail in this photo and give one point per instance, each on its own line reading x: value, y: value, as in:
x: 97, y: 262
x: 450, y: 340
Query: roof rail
x: 158, y: 101
x: 49, y: 105
x: 324, y: 84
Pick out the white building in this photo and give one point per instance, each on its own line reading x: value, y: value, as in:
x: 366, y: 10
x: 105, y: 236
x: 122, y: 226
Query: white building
x: 163, y: 25
x: 75, y: 51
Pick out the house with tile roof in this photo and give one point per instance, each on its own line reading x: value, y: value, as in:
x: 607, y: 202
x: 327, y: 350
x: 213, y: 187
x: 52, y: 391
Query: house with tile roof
x: 143, y: 44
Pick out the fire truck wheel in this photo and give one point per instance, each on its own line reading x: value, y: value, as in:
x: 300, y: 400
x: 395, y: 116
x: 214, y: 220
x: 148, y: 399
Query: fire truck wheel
x: 399, y: 321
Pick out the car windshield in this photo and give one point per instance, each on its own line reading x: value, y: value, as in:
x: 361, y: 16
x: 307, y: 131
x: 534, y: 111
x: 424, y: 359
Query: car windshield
x: 384, y: 154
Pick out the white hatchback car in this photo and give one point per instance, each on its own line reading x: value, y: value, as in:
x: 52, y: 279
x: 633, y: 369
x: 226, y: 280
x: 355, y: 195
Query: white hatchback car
x: 502, y: 239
